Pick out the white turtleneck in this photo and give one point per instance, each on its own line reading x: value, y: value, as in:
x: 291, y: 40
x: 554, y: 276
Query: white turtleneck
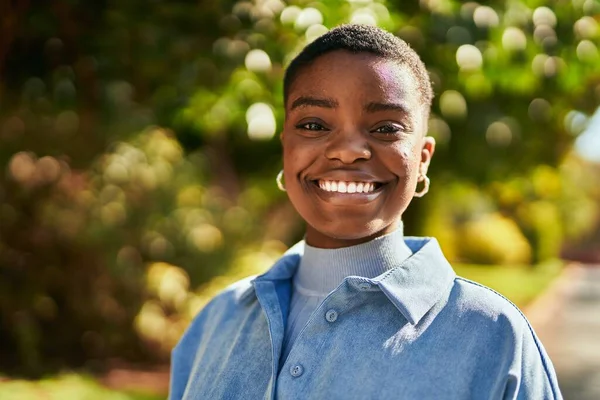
x: 322, y: 270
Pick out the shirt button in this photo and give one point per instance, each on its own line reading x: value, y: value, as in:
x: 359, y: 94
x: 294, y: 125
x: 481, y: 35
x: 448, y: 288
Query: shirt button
x: 331, y: 315
x: 364, y: 286
x: 296, y: 370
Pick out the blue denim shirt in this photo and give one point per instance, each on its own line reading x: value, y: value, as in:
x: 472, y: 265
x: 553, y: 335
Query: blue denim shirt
x: 415, y: 332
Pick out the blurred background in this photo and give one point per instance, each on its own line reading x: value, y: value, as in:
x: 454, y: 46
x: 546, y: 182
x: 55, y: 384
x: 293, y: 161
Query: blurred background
x: 139, y: 147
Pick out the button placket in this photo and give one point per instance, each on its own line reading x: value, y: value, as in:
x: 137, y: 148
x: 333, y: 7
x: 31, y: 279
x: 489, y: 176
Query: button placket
x: 296, y: 370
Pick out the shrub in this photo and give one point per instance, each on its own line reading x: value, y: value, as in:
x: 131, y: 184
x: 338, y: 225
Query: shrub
x: 493, y: 239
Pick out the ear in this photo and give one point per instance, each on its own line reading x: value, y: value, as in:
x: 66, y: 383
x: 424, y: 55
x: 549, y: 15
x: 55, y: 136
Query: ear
x: 427, y: 150
x: 281, y: 138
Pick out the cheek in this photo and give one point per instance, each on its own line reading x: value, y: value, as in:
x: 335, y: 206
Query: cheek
x: 407, y: 158
x: 297, y: 159
x: 294, y: 161
x: 406, y: 150
x: 290, y: 152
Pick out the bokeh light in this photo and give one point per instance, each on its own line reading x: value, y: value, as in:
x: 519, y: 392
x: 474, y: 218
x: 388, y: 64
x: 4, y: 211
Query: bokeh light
x: 307, y: 17
x: 139, y: 154
x: 258, y: 61
x: 499, y: 134
x: 468, y: 57
x: 514, y: 39
x: 453, y: 104
x: 261, y: 122
x: 486, y: 17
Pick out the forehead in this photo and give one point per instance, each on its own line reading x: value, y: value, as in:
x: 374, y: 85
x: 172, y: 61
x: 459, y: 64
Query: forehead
x: 357, y: 78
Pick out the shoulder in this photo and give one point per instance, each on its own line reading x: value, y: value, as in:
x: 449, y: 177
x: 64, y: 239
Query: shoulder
x: 223, y: 306
x: 500, y: 331
x: 493, y: 318
x: 484, y: 308
x: 475, y: 297
x: 228, y: 298
x: 234, y: 293
x: 223, y: 311
x: 232, y: 305
x: 489, y: 317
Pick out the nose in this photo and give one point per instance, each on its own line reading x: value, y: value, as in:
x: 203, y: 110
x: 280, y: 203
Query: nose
x: 348, y: 146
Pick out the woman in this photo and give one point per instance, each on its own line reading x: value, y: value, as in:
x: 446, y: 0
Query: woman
x: 357, y: 310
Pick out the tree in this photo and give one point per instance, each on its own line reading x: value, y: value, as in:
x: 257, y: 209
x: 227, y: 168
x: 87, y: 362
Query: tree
x: 94, y: 192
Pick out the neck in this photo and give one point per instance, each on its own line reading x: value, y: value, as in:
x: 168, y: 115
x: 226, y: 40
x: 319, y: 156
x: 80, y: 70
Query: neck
x: 321, y: 240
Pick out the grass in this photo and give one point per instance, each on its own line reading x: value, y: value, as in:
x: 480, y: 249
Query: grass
x: 519, y: 283
x: 67, y: 387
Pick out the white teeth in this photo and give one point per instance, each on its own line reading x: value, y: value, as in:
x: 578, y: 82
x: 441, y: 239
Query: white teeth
x: 347, y: 187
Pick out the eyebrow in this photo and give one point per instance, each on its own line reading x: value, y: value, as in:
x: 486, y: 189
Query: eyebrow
x: 375, y: 107
x: 306, y: 101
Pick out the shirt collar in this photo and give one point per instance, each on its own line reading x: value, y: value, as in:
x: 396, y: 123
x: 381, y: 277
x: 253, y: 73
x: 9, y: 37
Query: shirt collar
x: 414, y: 286
x: 284, y: 268
x: 420, y: 282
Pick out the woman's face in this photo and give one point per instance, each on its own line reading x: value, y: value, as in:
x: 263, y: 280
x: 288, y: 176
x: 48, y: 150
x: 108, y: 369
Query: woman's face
x: 353, y: 146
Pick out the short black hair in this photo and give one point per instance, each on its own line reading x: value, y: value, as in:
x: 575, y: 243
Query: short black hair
x: 362, y: 39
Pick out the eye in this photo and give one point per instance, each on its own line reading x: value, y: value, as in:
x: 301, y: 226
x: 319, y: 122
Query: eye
x: 388, y: 129
x: 311, y: 126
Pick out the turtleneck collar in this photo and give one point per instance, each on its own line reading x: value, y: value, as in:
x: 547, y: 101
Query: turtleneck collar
x: 322, y: 270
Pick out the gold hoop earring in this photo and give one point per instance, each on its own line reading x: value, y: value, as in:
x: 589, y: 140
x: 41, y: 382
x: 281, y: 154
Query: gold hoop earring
x: 279, y: 181
x: 425, y: 189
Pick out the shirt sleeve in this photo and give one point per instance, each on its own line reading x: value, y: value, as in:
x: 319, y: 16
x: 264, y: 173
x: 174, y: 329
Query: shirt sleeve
x: 184, y: 354
x: 178, y: 374
x: 532, y: 375
x: 182, y: 359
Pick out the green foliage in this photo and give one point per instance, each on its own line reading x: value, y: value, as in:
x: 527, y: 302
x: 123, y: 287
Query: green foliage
x: 139, y: 149
x: 542, y: 224
x: 65, y: 387
x: 548, y: 207
x: 521, y: 284
x: 494, y: 240
x: 542, y: 205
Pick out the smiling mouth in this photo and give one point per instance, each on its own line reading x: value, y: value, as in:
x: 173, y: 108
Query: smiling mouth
x: 345, y: 187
